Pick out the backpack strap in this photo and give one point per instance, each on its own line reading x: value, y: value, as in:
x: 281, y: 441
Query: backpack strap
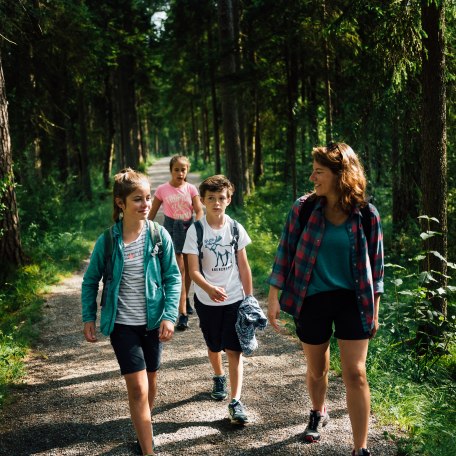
x: 154, y: 231
x: 107, y: 273
x: 366, y: 222
x: 235, y: 240
x: 305, y: 210
x: 199, y: 244
x: 108, y: 241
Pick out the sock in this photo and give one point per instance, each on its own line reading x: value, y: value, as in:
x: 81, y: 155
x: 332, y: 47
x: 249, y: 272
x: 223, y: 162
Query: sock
x: 234, y: 400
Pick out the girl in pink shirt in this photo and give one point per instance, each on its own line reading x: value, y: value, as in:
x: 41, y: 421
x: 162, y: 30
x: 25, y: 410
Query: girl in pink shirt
x: 179, y: 199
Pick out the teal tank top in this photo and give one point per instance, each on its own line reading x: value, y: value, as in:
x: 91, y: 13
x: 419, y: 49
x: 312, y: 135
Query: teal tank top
x: 332, y: 270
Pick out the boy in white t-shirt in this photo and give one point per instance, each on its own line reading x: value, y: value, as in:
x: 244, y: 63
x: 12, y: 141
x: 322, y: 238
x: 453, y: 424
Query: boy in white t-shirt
x: 220, y: 286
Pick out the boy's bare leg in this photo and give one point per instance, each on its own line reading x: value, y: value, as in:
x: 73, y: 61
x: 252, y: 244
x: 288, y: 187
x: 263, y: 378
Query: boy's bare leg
x: 236, y: 370
x: 215, y: 358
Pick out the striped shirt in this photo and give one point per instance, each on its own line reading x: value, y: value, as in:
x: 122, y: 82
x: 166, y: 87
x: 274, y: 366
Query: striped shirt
x: 131, y: 307
x: 297, y: 253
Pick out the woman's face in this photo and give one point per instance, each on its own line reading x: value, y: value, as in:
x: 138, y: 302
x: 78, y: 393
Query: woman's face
x: 324, y: 180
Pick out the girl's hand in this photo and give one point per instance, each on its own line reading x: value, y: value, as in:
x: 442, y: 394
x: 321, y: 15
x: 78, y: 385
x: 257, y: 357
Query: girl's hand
x: 166, y: 331
x: 217, y: 294
x: 90, y: 332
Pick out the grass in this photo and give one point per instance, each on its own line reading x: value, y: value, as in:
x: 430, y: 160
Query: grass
x: 55, y: 241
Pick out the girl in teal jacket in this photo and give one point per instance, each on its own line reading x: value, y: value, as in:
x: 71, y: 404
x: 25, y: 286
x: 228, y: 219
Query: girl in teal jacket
x: 141, y: 299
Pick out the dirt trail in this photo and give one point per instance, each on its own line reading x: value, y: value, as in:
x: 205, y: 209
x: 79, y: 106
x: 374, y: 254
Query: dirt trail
x: 74, y: 402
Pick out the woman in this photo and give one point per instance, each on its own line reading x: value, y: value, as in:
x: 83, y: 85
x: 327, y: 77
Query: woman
x: 330, y: 271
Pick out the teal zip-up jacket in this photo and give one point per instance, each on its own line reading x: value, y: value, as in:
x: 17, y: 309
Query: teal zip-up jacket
x: 163, y: 282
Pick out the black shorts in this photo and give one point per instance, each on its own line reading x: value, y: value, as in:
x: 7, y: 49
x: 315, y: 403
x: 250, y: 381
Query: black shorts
x: 136, y: 348
x: 177, y: 230
x: 218, y: 325
x: 320, y: 311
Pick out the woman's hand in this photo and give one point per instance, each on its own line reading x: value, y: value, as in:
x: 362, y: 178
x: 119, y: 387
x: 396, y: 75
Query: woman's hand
x: 166, y: 331
x: 90, y: 332
x: 274, y: 308
x: 374, y: 328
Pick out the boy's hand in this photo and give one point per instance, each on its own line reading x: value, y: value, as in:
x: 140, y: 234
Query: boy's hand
x: 217, y: 294
x: 90, y: 332
x: 166, y: 331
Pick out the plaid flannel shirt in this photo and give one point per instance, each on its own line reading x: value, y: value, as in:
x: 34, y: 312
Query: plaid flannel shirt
x: 298, y: 250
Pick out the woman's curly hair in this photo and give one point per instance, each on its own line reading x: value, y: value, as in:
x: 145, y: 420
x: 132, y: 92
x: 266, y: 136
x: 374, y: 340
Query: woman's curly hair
x: 345, y: 164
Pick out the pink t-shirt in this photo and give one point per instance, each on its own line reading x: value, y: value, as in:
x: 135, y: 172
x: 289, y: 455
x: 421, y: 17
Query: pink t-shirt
x: 177, y: 202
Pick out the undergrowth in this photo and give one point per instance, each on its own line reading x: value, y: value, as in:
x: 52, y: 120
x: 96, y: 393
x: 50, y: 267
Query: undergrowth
x: 57, y: 232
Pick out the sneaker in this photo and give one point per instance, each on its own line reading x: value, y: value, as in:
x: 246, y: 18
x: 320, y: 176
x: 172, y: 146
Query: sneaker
x: 219, y: 391
x: 316, y: 421
x: 182, y: 322
x: 237, y: 412
x: 364, y: 452
x: 138, y: 449
x: 189, y: 308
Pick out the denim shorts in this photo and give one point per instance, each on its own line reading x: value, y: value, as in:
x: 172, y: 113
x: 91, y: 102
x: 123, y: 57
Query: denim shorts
x: 321, y: 311
x: 136, y: 348
x: 218, y: 325
x: 177, y: 230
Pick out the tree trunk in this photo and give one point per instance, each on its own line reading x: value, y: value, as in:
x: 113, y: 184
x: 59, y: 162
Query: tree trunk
x: 215, y: 114
x: 229, y: 101
x: 84, y: 172
x: 434, y: 154
x: 258, y: 163
x: 110, y: 132
x: 10, y: 241
x: 328, y: 101
x: 291, y: 61
x: 129, y: 131
x: 240, y: 99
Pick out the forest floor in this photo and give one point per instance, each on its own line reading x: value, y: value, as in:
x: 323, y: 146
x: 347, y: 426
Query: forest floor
x: 74, y: 402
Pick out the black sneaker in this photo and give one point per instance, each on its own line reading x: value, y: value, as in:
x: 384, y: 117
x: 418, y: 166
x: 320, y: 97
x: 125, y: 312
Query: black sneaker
x: 189, y: 307
x: 237, y: 412
x: 316, y: 421
x: 219, y: 391
x: 138, y: 449
x: 182, y: 322
x: 365, y: 452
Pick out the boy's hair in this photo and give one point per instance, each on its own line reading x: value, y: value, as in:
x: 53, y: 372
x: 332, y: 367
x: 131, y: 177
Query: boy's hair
x: 216, y: 183
x: 126, y: 181
x: 175, y: 158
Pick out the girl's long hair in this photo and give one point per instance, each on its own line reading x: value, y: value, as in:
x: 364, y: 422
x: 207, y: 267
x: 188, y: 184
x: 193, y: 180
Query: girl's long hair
x: 345, y: 164
x: 126, y: 181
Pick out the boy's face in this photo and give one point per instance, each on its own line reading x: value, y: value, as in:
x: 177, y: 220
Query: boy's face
x: 216, y: 202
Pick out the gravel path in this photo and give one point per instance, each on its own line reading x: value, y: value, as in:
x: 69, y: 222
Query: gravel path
x: 74, y: 401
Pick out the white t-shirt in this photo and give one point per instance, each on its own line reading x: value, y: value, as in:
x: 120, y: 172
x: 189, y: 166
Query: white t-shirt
x: 219, y: 262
